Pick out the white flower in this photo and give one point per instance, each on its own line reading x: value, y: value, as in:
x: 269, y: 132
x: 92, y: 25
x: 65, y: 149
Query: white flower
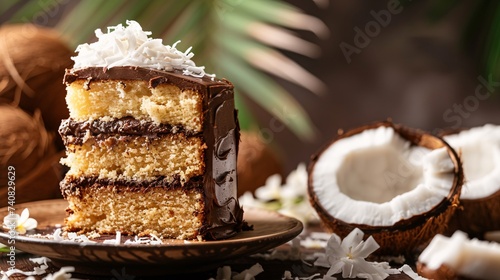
x: 248, y: 200
x: 296, y: 183
x: 348, y: 256
x: 271, y: 190
x: 22, y: 223
x: 290, y: 199
x: 302, y: 211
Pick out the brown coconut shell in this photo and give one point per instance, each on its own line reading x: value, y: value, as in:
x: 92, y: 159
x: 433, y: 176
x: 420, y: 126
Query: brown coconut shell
x: 29, y: 148
x: 475, y: 216
x: 405, y: 236
x: 256, y: 162
x: 40, y: 184
x: 442, y: 273
x: 478, y: 216
x: 32, y: 64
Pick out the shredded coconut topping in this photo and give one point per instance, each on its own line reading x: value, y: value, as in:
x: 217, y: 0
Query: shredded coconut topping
x: 131, y: 46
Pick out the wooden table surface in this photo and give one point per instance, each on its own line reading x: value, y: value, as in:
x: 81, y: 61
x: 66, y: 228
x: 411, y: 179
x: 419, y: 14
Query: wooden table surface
x: 273, y: 269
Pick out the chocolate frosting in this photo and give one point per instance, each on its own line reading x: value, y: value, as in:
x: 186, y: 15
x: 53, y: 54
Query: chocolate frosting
x: 154, y: 77
x: 224, y: 215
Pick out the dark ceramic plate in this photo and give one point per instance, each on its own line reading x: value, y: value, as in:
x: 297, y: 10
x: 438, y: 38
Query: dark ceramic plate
x: 173, y: 256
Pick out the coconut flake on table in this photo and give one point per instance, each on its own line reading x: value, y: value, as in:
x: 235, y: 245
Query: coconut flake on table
x: 406, y: 269
x: 287, y: 275
x: 131, y: 46
x: 470, y: 258
x: 58, y: 235
x: 225, y: 273
x: 116, y: 241
x: 152, y: 240
x: 62, y: 274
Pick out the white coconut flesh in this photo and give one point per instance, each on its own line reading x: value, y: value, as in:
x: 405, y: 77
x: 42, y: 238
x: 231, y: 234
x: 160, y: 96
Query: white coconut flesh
x: 470, y: 258
x: 378, y: 178
x: 480, y: 152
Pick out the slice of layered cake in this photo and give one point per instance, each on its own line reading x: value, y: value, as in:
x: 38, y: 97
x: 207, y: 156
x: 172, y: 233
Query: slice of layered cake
x: 151, y: 141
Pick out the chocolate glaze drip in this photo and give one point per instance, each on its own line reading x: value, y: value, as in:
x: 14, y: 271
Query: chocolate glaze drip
x: 223, y: 214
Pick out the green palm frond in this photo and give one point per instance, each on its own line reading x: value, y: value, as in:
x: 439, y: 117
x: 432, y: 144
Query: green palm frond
x: 237, y: 39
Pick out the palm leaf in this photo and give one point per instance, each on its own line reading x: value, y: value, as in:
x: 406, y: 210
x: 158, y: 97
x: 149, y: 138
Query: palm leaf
x: 281, y: 13
x: 492, y: 47
x: 236, y: 39
x: 268, y: 60
x: 77, y: 30
x: 481, y: 32
x: 265, y: 92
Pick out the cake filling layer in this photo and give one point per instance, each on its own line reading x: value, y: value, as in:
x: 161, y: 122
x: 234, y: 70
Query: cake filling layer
x: 164, y: 212
x: 89, y: 99
x: 71, y: 186
x: 137, y: 157
x: 75, y: 132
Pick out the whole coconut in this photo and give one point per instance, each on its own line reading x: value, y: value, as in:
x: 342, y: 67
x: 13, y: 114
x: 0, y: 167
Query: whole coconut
x: 25, y: 149
x: 32, y: 63
x: 256, y: 162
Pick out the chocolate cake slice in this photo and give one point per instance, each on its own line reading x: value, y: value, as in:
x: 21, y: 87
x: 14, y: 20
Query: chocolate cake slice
x: 150, y: 151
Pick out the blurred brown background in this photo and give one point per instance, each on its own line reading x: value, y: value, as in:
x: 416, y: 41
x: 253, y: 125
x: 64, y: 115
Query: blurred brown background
x: 414, y: 71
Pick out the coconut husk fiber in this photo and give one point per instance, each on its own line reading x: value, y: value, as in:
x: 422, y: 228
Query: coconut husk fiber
x: 32, y: 64
x: 29, y: 149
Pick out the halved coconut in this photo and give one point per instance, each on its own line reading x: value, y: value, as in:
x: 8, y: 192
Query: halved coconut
x: 479, y: 149
x: 397, y: 184
x: 459, y: 258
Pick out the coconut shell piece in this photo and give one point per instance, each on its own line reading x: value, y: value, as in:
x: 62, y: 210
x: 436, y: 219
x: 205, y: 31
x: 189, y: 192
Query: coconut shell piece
x: 256, y: 162
x: 405, y: 236
x: 32, y: 63
x: 478, y: 216
x: 475, y: 216
x: 443, y: 273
